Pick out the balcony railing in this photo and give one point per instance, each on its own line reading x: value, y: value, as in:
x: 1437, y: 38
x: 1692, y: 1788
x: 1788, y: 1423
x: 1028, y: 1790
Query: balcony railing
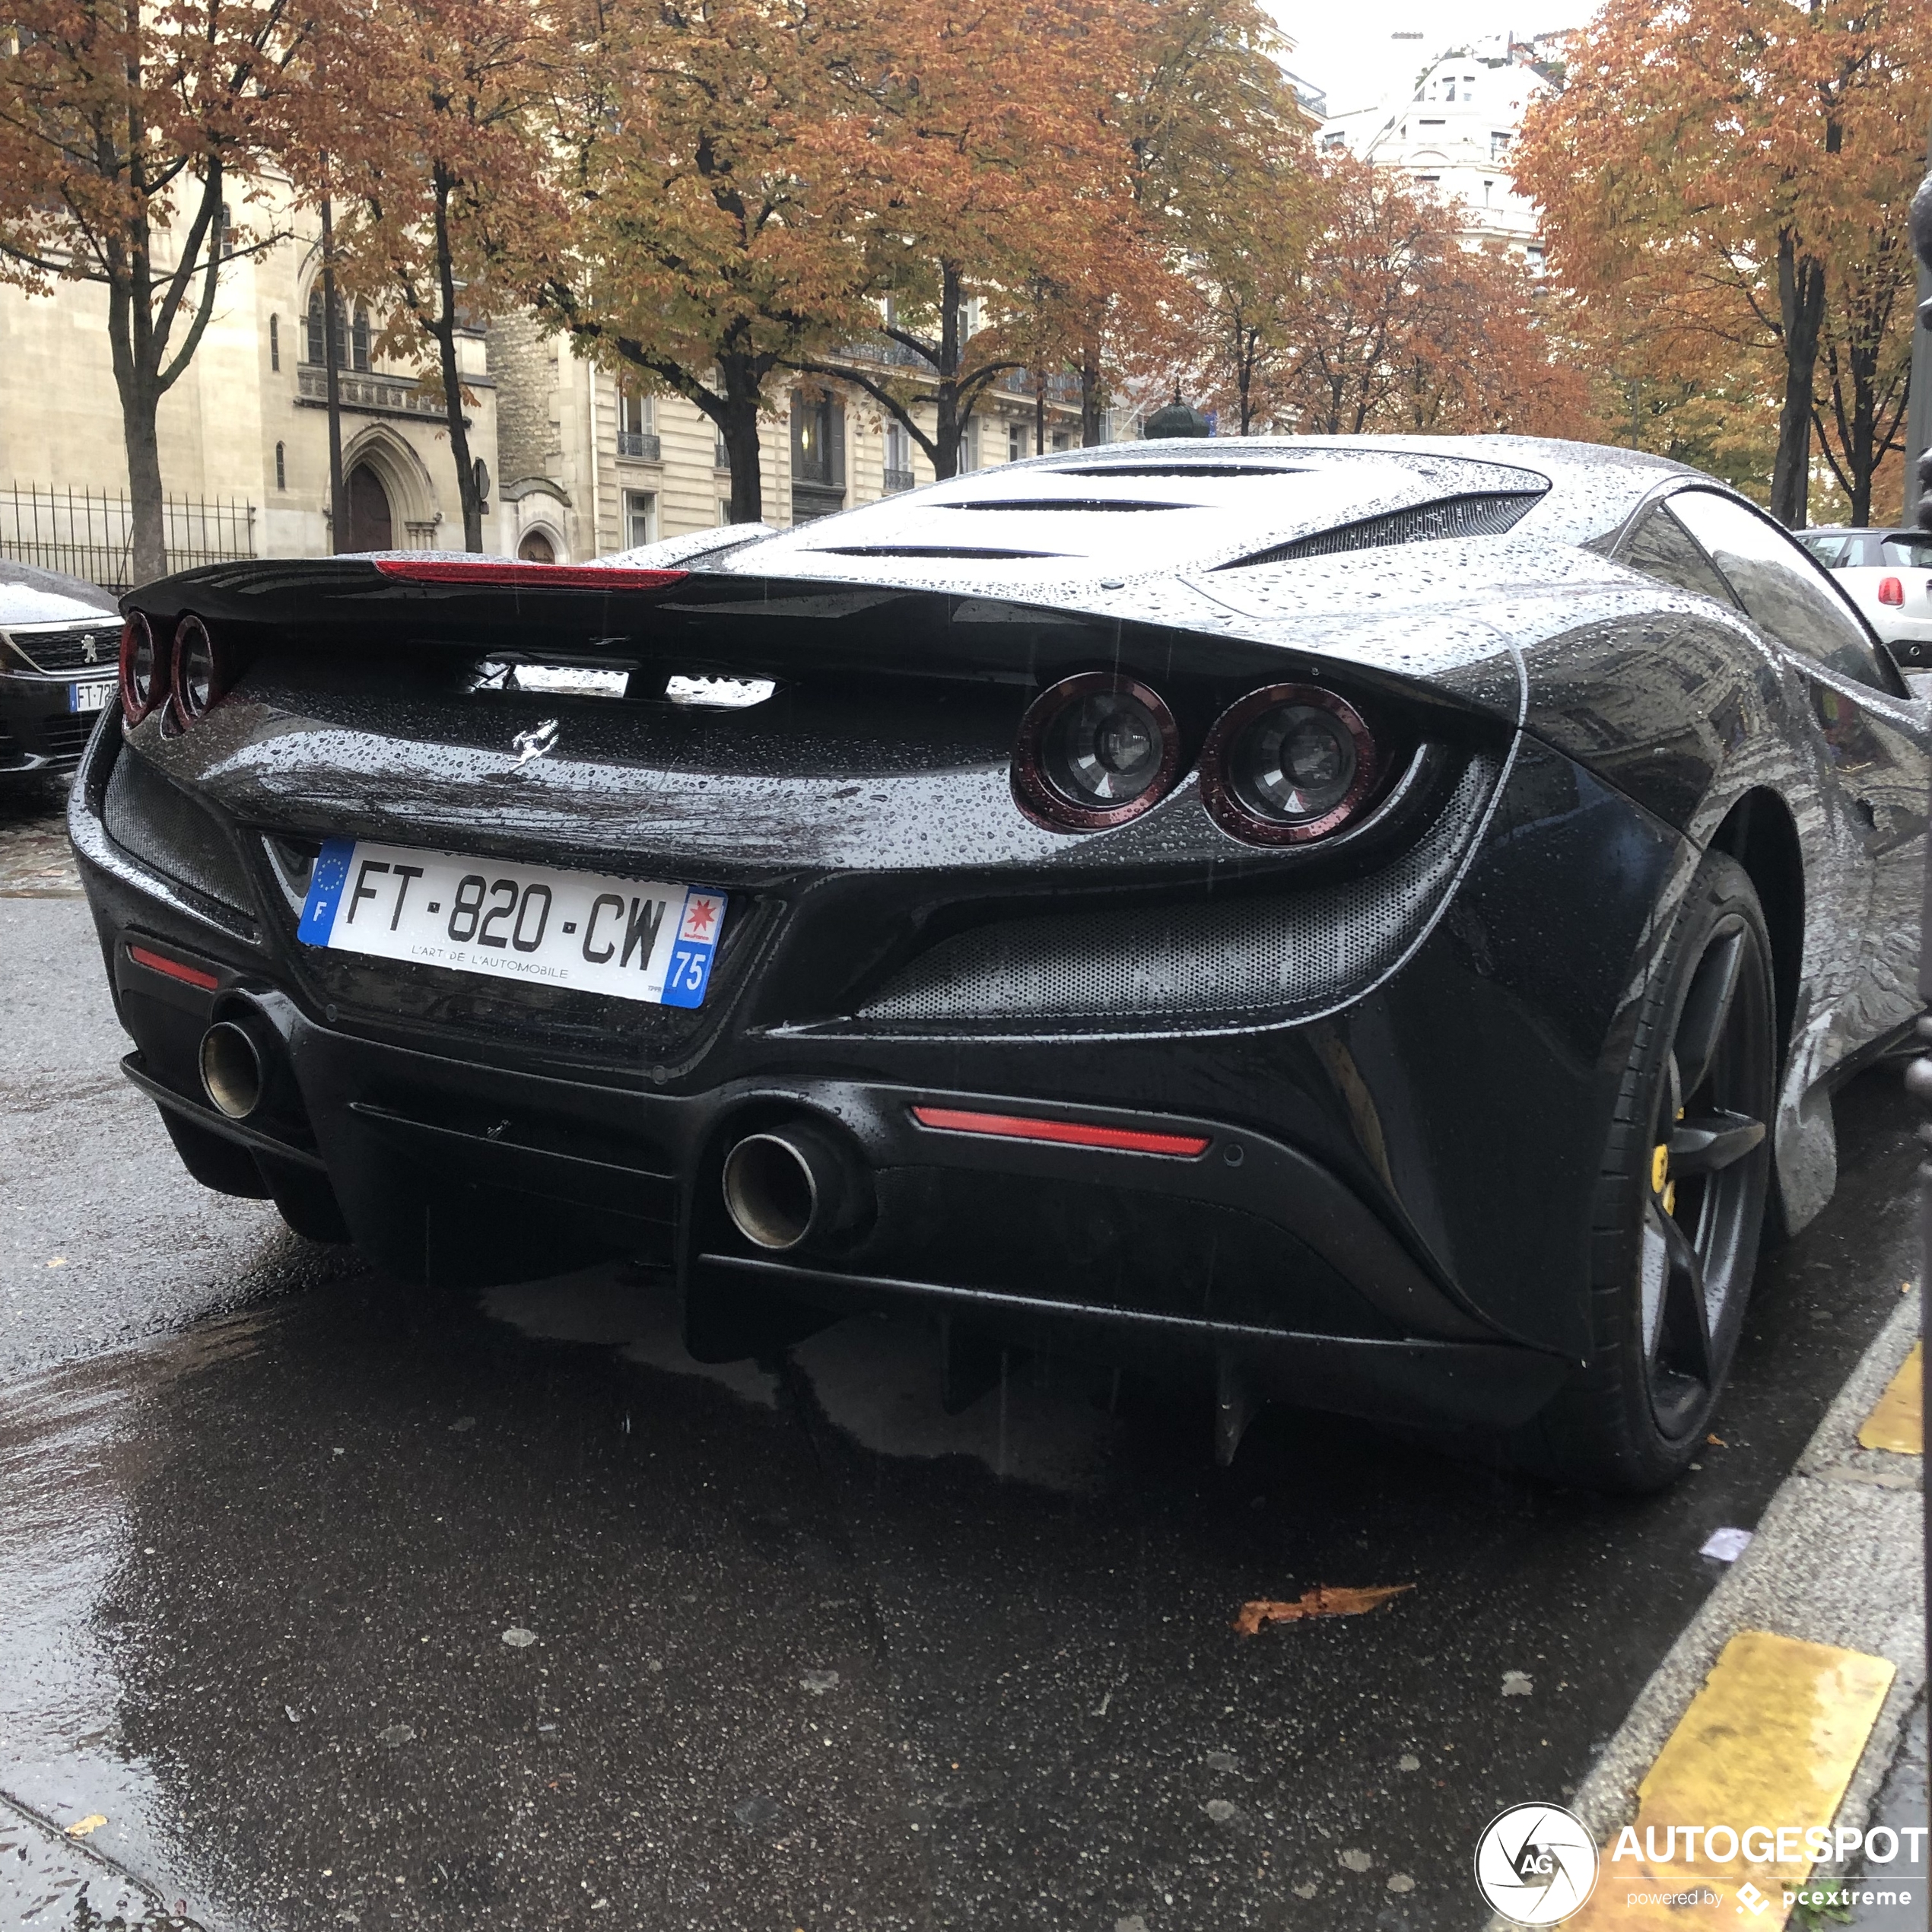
x: 399, y: 394
x: 640, y: 444
x: 881, y: 350
x: 1060, y: 386
x: 897, y: 480
x: 720, y: 456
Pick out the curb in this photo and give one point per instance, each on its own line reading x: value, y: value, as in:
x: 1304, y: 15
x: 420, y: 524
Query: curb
x: 1835, y: 1560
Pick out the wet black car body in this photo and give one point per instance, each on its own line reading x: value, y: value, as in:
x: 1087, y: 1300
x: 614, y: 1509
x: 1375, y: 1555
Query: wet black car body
x: 1410, y: 1116
x: 59, y: 638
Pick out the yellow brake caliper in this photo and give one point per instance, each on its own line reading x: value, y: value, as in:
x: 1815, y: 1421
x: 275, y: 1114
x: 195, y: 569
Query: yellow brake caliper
x: 1661, y: 1184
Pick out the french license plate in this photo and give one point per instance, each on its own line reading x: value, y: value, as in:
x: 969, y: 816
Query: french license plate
x: 92, y: 696
x: 633, y: 939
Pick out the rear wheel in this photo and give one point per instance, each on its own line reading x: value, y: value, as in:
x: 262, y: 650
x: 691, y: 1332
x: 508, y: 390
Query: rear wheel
x: 1680, y: 1204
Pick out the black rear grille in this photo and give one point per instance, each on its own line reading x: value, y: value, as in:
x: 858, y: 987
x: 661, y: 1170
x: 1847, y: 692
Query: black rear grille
x: 66, y: 739
x: 1486, y: 513
x: 85, y: 648
x: 1276, y: 954
x: 165, y: 829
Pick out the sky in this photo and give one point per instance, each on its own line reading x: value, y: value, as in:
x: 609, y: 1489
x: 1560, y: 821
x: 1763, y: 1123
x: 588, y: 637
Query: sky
x: 1348, y: 50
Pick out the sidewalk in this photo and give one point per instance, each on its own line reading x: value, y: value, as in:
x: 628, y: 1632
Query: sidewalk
x: 1833, y: 1572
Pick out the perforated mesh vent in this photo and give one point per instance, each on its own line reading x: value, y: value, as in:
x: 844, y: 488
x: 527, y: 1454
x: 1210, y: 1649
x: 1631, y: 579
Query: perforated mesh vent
x: 1486, y: 514
x: 165, y: 828
x: 1285, y: 951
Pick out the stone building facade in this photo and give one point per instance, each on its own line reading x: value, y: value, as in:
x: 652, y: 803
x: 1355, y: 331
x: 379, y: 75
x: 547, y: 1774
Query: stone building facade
x: 1455, y: 136
x: 580, y: 466
x: 245, y: 428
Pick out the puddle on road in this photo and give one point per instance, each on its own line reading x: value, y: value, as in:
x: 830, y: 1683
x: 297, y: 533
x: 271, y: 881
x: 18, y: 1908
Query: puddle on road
x: 876, y: 1377
x: 71, y: 1454
x: 792, y: 1648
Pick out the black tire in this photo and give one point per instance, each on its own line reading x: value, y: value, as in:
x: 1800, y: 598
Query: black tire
x: 1671, y: 1266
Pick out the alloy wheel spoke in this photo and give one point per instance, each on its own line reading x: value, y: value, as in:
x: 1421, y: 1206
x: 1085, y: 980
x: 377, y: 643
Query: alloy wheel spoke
x: 1707, y: 1009
x: 1683, y: 1339
x: 1712, y: 1142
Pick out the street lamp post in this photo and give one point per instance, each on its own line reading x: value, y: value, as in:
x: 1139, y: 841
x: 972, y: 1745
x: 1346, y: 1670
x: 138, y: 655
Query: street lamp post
x: 1918, y: 471
x: 338, y: 508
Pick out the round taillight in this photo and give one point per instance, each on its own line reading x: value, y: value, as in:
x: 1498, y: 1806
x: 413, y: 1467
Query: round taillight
x: 1094, y: 751
x: 1288, y: 764
x: 198, y: 675
x: 143, y: 676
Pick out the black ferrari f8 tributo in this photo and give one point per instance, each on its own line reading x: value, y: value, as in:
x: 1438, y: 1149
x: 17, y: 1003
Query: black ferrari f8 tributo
x: 1373, y: 923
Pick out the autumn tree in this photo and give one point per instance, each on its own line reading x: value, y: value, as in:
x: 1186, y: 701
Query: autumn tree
x: 986, y: 171
x: 1720, y: 167
x: 432, y: 141
x: 709, y: 154
x: 1865, y: 349
x: 1384, y: 321
x: 1223, y: 185
x: 127, y: 136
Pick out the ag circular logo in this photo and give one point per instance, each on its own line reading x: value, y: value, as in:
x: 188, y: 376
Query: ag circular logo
x: 1536, y: 1863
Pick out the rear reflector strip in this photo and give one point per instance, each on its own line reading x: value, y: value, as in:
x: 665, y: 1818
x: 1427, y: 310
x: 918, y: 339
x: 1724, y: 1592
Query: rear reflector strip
x: 529, y: 576
x: 157, y: 962
x: 1067, y: 1133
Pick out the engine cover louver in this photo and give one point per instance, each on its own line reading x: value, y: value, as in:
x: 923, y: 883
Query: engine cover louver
x: 1488, y: 514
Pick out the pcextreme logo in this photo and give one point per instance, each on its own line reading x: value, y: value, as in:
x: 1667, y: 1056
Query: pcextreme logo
x: 1536, y: 1863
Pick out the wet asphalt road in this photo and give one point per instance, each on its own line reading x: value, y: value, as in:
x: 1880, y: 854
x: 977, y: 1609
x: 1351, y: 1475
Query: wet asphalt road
x: 804, y: 1652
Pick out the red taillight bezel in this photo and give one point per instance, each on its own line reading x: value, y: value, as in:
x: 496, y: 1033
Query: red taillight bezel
x: 135, y: 706
x: 1233, y: 814
x: 522, y: 576
x: 1890, y: 590
x: 1042, y: 801
x: 173, y: 969
x: 1063, y: 1133
x: 187, y: 709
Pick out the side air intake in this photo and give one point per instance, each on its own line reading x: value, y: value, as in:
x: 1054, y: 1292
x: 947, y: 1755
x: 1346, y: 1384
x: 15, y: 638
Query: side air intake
x: 1488, y: 514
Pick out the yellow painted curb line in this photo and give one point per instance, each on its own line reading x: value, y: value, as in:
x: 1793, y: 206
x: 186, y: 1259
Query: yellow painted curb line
x: 1771, y: 1741
x: 1897, y: 1423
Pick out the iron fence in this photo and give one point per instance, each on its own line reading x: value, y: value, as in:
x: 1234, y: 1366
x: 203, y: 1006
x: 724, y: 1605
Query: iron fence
x: 90, y: 533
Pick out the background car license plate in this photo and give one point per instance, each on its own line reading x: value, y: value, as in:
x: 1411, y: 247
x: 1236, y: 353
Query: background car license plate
x: 633, y: 939
x: 92, y: 696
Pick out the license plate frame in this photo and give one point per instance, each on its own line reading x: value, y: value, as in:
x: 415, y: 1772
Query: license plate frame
x: 593, y: 932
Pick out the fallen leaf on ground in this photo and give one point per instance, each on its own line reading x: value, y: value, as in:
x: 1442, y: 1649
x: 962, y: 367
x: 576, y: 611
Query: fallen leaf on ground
x: 1321, y: 1601
x: 92, y: 1823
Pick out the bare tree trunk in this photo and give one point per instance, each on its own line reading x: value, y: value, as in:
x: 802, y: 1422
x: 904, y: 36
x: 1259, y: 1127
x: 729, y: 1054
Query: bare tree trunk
x: 444, y: 329
x: 737, y: 428
x: 1801, y: 309
x: 332, y: 389
x: 951, y: 427
x: 149, y: 552
x: 1093, y: 424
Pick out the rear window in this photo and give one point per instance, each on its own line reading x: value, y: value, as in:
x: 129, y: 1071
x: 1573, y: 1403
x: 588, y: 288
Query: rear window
x: 1661, y: 548
x: 1907, y: 549
x: 1781, y: 586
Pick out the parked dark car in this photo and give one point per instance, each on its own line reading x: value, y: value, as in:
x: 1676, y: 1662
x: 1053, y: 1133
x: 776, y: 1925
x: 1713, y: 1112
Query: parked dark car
x: 60, y: 642
x: 1375, y: 923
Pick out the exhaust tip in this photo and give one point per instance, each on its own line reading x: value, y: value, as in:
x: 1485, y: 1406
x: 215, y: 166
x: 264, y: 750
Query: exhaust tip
x: 771, y: 1192
x: 232, y: 1073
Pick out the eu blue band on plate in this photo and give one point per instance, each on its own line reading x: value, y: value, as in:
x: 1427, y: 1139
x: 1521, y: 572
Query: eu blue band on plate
x: 690, y: 969
x: 331, y: 874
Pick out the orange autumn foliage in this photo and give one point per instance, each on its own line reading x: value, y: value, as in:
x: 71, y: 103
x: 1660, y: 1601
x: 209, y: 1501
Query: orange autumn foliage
x: 1724, y: 184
